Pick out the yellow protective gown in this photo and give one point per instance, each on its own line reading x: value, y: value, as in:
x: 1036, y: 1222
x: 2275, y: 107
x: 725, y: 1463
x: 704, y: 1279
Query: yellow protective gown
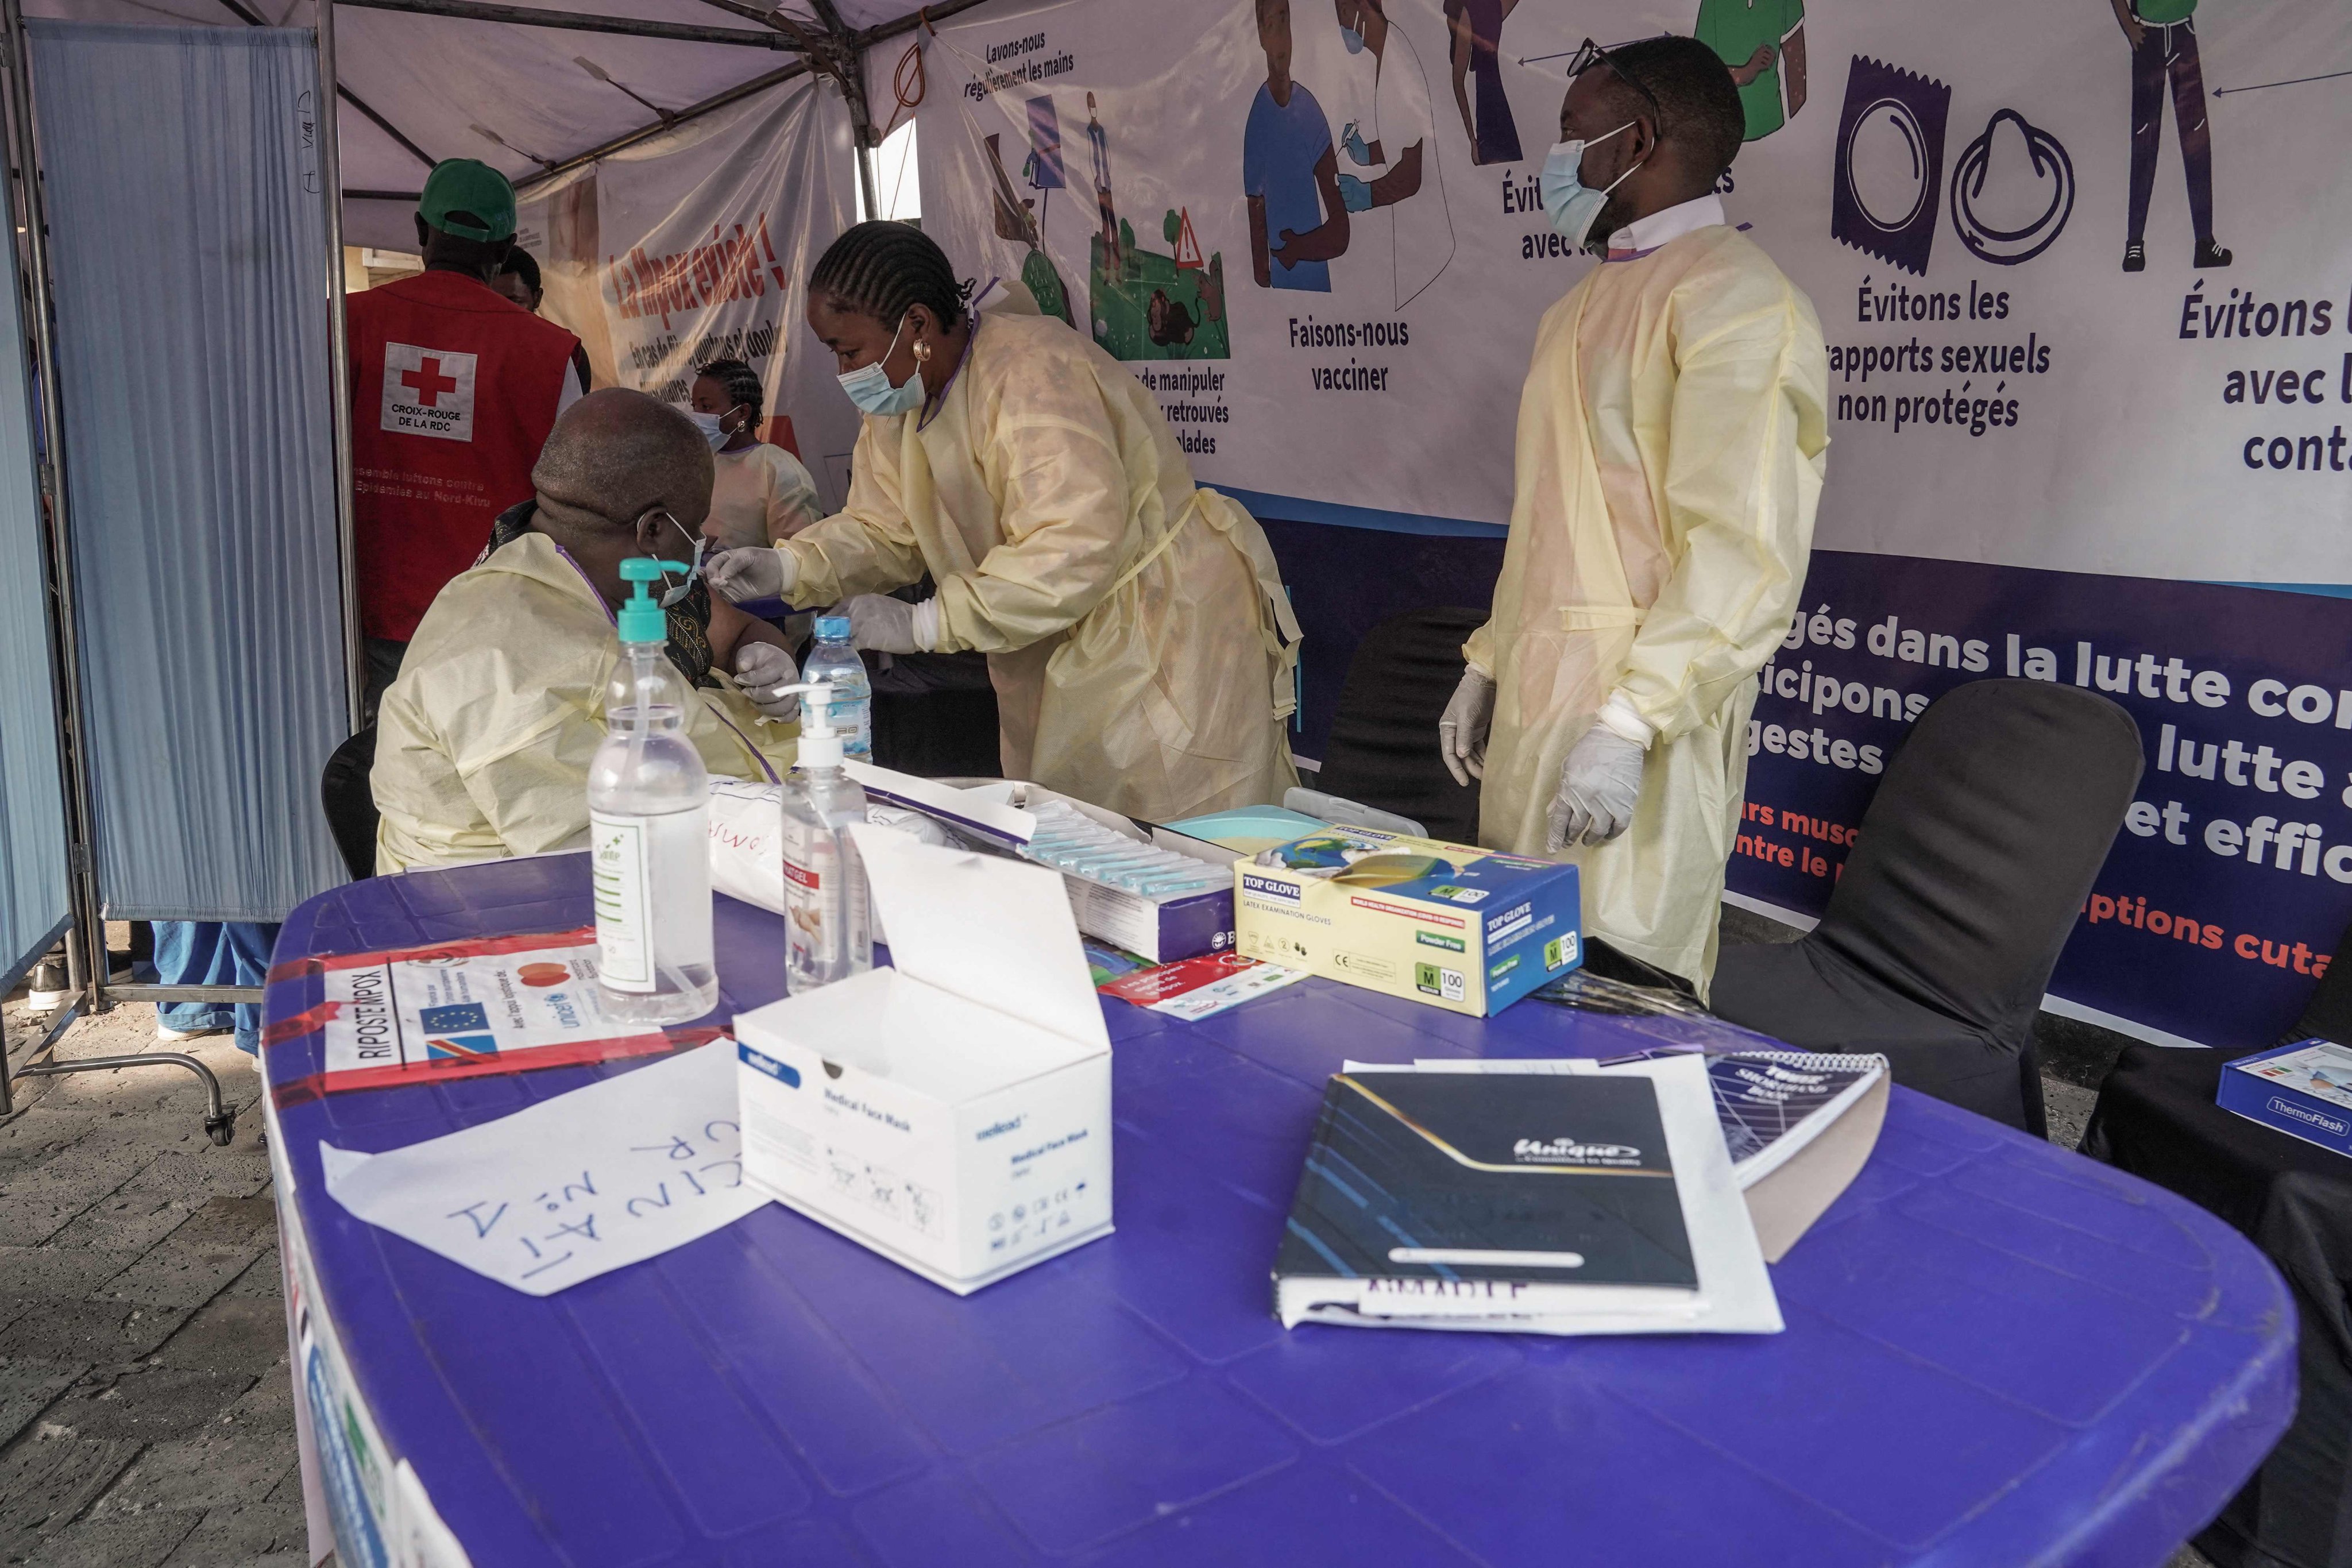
x: 1670, y: 455
x: 1136, y: 630
x: 483, y: 744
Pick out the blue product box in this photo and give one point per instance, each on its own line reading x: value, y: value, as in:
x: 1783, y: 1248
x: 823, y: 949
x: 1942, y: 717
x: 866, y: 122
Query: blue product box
x: 1468, y: 930
x: 2303, y: 1091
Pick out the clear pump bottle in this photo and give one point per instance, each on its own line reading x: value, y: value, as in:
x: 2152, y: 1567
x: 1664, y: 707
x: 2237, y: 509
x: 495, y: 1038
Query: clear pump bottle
x: 829, y: 932
x: 649, y: 828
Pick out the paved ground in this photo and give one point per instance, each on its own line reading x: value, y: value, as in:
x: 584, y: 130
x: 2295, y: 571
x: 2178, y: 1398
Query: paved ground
x: 146, y: 1413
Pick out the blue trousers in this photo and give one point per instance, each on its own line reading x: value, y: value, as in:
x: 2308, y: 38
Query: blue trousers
x: 206, y: 952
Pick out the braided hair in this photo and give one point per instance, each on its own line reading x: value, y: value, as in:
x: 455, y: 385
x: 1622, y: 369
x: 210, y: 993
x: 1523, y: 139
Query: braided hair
x: 739, y: 382
x: 882, y: 268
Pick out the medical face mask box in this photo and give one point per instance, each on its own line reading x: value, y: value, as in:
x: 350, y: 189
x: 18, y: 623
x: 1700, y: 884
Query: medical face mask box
x: 1463, y: 929
x: 1161, y: 898
x: 2303, y: 1091
x: 951, y: 1112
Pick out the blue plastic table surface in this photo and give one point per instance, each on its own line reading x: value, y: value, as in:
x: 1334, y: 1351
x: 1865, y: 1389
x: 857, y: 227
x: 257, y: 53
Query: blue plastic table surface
x: 1998, y: 1352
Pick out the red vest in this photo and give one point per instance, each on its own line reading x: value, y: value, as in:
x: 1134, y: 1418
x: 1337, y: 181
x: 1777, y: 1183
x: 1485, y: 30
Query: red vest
x: 454, y: 389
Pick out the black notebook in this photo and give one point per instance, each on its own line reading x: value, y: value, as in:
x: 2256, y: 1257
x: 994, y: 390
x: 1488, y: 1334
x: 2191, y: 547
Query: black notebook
x: 1462, y: 1193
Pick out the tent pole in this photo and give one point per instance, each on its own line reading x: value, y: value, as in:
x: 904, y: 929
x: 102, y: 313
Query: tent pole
x: 89, y: 921
x: 577, y: 21
x: 848, y: 62
x: 914, y: 20
x: 326, y: 102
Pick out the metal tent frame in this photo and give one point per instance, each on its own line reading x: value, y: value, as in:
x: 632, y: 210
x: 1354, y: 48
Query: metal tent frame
x: 826, y: 47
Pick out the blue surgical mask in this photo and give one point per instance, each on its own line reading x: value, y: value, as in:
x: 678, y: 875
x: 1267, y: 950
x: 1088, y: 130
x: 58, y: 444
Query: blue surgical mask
x: 1568, y: 202
x: 713, y: 427
x: 1353, y: 40
x: 869, y: 384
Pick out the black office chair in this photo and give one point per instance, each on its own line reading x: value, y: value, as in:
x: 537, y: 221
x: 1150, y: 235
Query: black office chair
x: 1382, y: 748
x: 1973, y: 860
x: 2157, y: 1117
x: 351, y: 804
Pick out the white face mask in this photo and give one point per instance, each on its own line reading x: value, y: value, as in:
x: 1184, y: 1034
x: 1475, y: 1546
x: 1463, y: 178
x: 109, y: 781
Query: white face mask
x: 1570, y: 203
x: 672, y: 595
x: 713, y: 426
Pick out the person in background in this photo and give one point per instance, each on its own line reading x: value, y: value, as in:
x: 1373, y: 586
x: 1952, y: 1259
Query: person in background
x: 454, y: 389
x: 1671, y: 447
x: 518, y: 280
x: 1136, y: 628
x: 208, y: 952
x: 761, y: 493
x: 484, y: 739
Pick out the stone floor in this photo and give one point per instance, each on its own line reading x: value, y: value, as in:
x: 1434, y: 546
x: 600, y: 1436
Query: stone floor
x: 146, y: 1413
x: 146, y: 1410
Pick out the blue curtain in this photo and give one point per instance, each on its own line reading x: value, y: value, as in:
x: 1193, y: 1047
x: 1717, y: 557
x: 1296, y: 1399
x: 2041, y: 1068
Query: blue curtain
x: 189, y: 246
x: 33, y: 895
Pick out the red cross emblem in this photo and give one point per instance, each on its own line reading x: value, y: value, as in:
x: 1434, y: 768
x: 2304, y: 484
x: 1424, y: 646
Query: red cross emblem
x: 427, y: 382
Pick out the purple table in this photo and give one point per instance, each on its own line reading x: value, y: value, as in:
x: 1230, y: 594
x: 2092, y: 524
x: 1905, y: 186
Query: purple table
x: 1998, y: 1352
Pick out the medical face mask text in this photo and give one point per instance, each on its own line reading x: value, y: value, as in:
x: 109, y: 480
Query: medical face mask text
x: 1568, y: 202
x: 869, y: 386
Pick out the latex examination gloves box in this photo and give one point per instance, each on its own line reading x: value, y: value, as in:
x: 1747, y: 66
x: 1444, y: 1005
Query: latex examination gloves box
x: 1459, y: 928
x: 951, y: 1112
x: 2303, y: 1089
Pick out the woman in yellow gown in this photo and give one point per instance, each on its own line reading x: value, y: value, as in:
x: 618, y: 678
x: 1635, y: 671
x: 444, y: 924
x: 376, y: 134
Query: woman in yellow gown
x: 1136, y: 629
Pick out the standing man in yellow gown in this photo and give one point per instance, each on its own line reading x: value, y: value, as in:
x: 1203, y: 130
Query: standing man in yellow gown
x: 1670, y: 455
x: 1136, y: 629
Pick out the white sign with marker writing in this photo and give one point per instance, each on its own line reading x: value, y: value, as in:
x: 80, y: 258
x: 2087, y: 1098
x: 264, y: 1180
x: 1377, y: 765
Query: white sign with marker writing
x: 610, y: 1174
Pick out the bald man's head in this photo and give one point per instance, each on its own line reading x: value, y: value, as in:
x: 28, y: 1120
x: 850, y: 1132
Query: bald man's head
x: 616, y: 455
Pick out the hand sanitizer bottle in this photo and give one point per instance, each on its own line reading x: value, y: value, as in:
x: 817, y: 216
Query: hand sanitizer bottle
x: 834, y: 659
x: 828, y: 933
x: 649, y: 829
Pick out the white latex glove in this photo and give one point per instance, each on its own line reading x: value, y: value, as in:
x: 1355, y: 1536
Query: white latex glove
x: 1599, y: 783
x: 760, y: 668
x: 880, y: 624
x: 1462, y: 733
x: 756, y: 571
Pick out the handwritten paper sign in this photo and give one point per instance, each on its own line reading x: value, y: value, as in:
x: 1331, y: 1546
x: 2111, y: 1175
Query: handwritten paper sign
x: 610, y: 1174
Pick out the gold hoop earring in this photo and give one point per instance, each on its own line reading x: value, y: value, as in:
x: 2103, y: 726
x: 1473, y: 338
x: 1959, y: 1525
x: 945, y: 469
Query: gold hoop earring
x: 922, y: 351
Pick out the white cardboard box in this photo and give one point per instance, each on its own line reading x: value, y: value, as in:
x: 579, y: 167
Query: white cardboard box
x: 953, y: 1112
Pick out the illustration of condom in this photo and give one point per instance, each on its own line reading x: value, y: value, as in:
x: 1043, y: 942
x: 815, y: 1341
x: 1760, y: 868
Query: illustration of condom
x: 2052, y: 167
x: 1890, y: 164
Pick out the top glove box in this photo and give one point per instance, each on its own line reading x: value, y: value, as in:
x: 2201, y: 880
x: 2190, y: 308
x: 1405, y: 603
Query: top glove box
x: 1459, y: 928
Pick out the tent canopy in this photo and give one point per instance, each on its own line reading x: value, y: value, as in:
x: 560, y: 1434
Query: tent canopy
x: 422, y: 80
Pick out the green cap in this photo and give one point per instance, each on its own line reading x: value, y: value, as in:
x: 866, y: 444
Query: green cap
x: 464, y: 186
x: 642, y: 618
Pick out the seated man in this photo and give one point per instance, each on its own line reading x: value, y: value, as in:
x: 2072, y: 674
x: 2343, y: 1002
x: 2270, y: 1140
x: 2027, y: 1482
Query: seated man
x: 484, y: 741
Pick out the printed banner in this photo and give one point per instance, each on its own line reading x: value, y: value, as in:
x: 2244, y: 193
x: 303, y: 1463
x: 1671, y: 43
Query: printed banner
x: 697, y: 245
x: 2089, y: 318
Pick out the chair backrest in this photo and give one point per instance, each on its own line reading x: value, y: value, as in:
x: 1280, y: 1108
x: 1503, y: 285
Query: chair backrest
x: 350, y: 804
x: 2328, y: 1013
x: 1382, y: 748
x: 1981, y: 845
